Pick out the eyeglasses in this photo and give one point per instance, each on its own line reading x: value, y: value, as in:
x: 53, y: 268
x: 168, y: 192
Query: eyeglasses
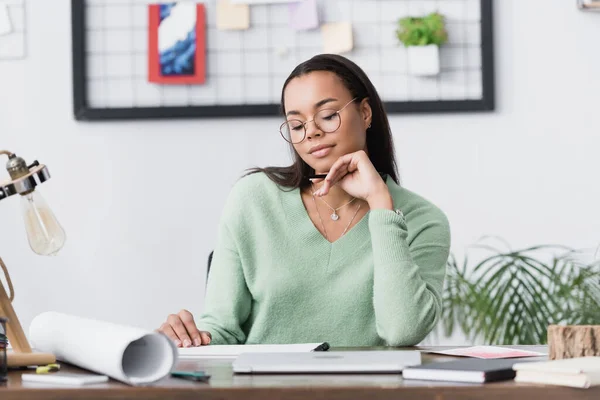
x: 327, y: 120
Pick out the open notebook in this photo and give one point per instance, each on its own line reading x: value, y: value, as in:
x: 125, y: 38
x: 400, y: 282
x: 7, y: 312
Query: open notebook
x: 232, y: 351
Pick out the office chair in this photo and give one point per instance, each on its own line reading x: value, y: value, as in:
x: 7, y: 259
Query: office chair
x: 210, y: 256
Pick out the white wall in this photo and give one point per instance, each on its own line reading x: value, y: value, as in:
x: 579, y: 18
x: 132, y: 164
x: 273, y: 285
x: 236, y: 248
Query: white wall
x: 140, y: 200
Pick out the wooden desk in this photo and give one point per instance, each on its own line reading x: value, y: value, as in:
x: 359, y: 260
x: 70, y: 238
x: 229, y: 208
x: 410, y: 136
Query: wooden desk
x: 225, y: 385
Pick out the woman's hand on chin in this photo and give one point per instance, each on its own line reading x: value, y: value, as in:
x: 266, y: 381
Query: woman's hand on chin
x: 356, y: 175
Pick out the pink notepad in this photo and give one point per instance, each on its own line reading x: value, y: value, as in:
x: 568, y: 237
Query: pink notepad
x: 489, y: 352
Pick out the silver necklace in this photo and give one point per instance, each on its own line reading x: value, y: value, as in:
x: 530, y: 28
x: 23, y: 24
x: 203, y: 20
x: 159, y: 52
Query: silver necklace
x: 334, y: 215
x: 323, y: 224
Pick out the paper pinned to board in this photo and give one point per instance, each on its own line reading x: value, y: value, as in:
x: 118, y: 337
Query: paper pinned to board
x: 304, y: 15
x: 488, y: 352
x: 232, y: 16
x: 5, y: 22
x: 130, y: 355
x: 232, y: 351
x: 337, y: 37
x: 262, y: 1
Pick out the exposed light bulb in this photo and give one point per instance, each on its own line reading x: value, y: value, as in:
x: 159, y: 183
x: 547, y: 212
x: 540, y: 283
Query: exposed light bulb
x: 46, y: 236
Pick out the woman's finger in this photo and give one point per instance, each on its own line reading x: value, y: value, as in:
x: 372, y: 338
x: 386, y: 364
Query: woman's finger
x: 339, y: 175
x: 190, y: 325
x: 168, y: 330
x: 180, y: 331
x: 205, y: 336
x: 348, y: 168
x: 332, y: 173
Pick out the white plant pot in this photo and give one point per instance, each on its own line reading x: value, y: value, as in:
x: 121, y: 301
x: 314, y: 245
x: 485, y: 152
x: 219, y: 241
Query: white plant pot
x: 424, y: 60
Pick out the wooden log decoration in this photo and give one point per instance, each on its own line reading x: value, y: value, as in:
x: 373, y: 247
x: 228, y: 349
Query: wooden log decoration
x: 570, y: 341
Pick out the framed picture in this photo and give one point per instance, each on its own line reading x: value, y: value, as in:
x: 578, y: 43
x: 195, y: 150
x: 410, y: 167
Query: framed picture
x: 144, y: 60
x: 176, y: 44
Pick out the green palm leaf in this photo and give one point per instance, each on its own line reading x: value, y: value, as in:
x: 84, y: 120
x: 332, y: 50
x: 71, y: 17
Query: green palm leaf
x: 510, y: 297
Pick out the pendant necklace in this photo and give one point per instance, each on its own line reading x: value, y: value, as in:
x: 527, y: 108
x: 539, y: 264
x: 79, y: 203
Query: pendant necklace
x: 334, y: 215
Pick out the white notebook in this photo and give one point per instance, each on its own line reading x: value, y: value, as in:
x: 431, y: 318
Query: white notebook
x: 232, y: 351
x: 580, y: 372
x: 62, y: 378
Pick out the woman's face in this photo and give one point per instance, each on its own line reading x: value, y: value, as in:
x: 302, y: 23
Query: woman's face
x: 305, y: 98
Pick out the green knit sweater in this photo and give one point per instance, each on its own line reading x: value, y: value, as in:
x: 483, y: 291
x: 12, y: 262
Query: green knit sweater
x: 276, y: 279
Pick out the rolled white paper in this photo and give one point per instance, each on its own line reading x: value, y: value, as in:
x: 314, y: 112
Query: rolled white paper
x: 130, y: 355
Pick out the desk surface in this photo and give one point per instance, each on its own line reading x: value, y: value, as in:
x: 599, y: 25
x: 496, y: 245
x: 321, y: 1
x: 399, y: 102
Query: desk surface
x: 225, y: 385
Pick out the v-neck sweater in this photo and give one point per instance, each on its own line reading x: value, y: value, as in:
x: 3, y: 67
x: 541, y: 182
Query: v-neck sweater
x: 275, y: 279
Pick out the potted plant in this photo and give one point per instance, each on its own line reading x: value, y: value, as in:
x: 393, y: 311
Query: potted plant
x: 422, y: 37
x: 510, y: 297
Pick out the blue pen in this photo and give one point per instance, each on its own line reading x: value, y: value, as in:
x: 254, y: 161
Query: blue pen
x: 199, y: 376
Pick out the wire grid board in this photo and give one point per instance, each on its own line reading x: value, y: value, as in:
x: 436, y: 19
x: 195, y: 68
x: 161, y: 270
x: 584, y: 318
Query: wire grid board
x: 13, y: 44
x: 245, y: 70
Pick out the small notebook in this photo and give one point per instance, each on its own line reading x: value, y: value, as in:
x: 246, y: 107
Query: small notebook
x: 232, y: 351
x: 580, y: 372
x: 466, y: 370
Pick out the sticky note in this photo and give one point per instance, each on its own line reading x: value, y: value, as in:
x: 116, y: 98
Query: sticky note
x: 262, y: 1
x: 232, y: 16
x: 5, y: 24
x: 337, y: 37
x: 304, y: 15
x: 282, y: 51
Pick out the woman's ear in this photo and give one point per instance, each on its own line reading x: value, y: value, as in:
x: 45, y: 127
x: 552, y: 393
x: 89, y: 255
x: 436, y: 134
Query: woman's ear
x: 366, y: 112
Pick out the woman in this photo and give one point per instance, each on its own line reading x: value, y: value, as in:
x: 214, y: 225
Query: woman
x: 352, y: 259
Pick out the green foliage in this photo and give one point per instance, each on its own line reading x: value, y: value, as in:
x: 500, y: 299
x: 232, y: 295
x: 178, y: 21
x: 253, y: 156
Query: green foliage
x: 510, y: 297
x: 422, y: 31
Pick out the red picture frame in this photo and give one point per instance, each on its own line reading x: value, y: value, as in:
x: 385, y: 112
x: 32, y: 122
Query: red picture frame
x: 154, y: 74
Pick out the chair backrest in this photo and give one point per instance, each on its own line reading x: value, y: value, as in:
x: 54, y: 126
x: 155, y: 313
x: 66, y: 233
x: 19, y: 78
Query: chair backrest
x: 210, y: 256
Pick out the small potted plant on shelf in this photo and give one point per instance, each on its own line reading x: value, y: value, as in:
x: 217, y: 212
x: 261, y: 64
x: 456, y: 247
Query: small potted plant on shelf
x: 422, y: 37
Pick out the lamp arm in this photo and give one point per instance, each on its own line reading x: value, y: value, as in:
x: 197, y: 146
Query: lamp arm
x: 14, y: 330
x: 8, y: 281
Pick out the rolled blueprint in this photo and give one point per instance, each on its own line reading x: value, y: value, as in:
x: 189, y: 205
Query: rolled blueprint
x: 130, y: 355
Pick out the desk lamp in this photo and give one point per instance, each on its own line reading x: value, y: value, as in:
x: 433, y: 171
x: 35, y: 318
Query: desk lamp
x: 46, y: 237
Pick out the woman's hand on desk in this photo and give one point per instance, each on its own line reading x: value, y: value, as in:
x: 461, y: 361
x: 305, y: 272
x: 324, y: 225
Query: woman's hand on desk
x: 182, y: 329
